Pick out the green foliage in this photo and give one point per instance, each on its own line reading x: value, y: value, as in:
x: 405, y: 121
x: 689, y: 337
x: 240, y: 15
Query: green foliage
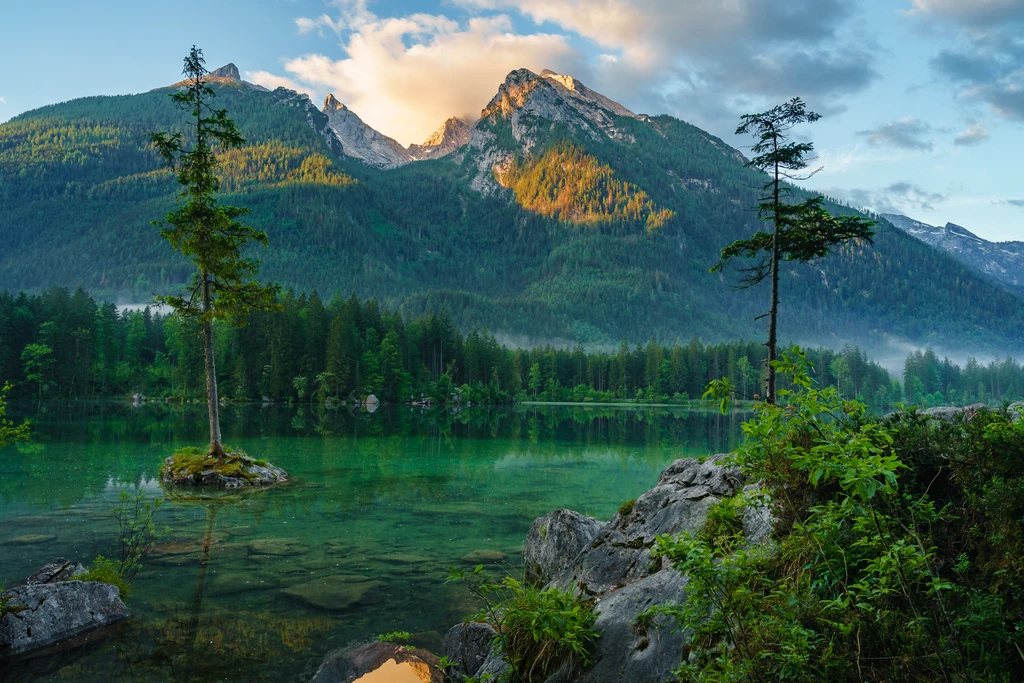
x: 626, y: 507
x: 802, y: 231
x: 136, y: 533
x: 107, y: 571
x: 569, y: 185
x: 10, y: 432
x: 538, y: 630
x: 351, y: 348
x: 205, y: 232
x: 81, y: 185
x: 190, y: 461
x: 394, y: 637
x: 895, y: 555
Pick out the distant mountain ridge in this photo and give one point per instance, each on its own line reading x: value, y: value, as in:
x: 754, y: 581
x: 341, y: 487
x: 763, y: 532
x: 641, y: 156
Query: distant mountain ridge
x: 558, y: 216
x: 1002, y: 261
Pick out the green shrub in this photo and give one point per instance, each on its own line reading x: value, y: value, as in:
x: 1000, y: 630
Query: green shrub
x: 107, y: 571
x: 896, y: 555
x: 538, y: 630
x: 395, y: 637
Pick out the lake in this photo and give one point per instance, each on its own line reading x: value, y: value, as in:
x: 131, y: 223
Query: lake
x: 389, y: 500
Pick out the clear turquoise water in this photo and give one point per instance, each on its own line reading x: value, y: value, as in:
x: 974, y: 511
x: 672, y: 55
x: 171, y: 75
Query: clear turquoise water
x: 396, y: 497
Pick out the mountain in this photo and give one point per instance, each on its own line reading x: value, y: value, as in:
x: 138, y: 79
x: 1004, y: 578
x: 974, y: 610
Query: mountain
x: 558, y: 215
x: 1002, y: 261
x: 453, y: 134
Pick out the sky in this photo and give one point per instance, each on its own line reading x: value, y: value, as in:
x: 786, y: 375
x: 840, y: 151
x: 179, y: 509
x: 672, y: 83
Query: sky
x: 922, y: 101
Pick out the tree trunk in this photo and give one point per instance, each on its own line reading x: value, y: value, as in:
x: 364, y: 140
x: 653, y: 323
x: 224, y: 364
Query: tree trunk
x: 212, y: 400
x: 773, y: 313
x: 773, y: 318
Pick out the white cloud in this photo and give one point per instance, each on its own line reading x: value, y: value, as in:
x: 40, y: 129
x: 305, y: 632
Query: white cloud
x: 3, y: 101
x: 272, y: 81
x: 405, y: 75
x: 970, y: 11
x: 712, y: 56
x: 974, y: 134
x: 702, y: 60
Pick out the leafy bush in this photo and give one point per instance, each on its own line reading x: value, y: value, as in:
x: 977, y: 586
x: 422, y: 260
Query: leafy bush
x: 538, y: 630
x: 896, y: 551
x: 395, y: 637
x: 136, y: 534
x: 107, y: 571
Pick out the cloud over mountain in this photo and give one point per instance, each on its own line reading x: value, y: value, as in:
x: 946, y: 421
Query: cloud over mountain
x: 707, y: 60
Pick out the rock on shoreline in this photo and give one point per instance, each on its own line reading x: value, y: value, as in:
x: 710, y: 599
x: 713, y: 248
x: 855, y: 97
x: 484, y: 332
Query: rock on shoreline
x: 612, y: 564
x: 53, y: 612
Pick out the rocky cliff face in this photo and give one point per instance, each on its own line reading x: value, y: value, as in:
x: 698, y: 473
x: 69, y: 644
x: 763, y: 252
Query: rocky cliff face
x: 1002, y: 261
x: 453, y: 134
x: 360, y: 141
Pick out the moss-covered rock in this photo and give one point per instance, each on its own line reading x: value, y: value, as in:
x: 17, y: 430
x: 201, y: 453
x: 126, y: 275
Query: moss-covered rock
x: 192, y: 466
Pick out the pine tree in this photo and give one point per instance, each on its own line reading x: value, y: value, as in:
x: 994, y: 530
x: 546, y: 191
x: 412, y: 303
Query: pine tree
x: 208, y: 233
x: 802, y: 231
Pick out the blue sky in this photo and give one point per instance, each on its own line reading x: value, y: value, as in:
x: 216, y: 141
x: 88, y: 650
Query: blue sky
x: 923, y: 100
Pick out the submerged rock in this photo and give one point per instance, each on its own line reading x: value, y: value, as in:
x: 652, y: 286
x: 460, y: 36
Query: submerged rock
x: 30, y: 539
x: 378, y: 662
x: 336, y: 592
x: 484, y: 557
x: 277, y: 546
x: 46, y: 614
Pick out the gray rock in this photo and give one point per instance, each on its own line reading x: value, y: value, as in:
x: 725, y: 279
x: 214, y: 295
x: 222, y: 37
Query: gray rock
x: 1017, y: 410
x: 468, y: 645
x: 626, y: 652
x: 950, y: 412
x: 617, y: 570
x: 758, y: 520
x: 355, y: 661
x: 30, y: 539
x: 55, y: 612
x: 484, y: 557
x: 55, y: 570
x: 621, y: 553
x: 554, y: 541
x: 336, y: 592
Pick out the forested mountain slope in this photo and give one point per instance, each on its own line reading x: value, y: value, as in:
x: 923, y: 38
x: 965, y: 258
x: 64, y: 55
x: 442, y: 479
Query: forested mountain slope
x: 565, y: 217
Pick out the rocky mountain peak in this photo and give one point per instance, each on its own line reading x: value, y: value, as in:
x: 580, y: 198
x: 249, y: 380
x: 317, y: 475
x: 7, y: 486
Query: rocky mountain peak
x: 228, y: 71
x: 331, y: 103
x: 1002, y: 261
x: 453, y: 134
x: 360, y: 141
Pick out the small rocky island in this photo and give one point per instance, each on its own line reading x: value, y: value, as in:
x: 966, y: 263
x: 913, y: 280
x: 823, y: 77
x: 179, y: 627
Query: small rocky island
x: 193, y: 467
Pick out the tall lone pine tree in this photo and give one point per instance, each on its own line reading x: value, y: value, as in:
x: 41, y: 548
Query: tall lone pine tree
x: 208, y: 233
x: 802, y: 231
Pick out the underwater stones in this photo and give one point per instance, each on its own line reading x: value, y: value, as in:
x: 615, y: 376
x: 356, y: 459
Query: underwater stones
x: 47, y: 614
x: 335, y: 592
x: 30, y: 539
x: 554, y: 540
x: 230, y: 583
x: 483, y: 557
x: 277, y: 546
x: 58, y: 569
x: 378, y: 662
x: 468, y: 645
